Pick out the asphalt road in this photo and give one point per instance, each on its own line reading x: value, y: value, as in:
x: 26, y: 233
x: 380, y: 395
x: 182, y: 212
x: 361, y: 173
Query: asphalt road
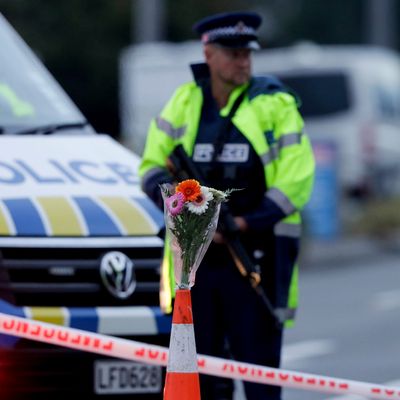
x: 348, y: 321
x: 347, y: 324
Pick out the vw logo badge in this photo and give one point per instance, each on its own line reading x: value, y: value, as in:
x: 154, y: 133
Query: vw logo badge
x: 118, y: 275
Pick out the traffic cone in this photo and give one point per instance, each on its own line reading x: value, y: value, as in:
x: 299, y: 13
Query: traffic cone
x: 182, y: 380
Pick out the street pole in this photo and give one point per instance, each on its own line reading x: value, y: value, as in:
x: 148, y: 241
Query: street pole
x: 381, y: 23
x: 148, y: 20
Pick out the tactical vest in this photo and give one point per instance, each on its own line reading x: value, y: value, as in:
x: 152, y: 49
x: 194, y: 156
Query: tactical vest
x: 269, y: 119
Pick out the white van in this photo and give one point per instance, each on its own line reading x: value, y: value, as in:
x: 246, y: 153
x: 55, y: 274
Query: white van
x: 350, y: 97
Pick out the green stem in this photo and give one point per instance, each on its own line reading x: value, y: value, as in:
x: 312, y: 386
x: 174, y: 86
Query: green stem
x: 185, y: 273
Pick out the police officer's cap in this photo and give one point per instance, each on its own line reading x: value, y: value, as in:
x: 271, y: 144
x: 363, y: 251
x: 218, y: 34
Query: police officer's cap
x: 233, y: 29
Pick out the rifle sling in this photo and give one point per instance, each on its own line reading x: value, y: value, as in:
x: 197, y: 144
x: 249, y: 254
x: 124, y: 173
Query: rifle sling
x: 225, y: 127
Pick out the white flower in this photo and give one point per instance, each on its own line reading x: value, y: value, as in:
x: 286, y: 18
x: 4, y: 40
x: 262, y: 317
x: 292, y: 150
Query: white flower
x: 200, y: 205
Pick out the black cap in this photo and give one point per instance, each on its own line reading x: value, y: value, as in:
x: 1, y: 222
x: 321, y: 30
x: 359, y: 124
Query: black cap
x: 232, y: 29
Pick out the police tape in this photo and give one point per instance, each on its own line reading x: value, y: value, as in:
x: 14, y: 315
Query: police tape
x: 157, y: 355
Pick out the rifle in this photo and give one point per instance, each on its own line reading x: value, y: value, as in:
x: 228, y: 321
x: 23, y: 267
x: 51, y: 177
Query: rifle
x: 184, y: 168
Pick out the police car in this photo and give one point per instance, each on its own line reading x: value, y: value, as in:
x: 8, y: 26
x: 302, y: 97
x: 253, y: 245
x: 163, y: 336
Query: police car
x: 79, y: 240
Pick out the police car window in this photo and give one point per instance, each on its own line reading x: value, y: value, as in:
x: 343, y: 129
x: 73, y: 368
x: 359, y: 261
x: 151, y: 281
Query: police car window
x: 322, y: 94
x: 29, y: 95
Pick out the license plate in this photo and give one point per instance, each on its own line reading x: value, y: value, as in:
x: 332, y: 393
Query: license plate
x: 111, y: 377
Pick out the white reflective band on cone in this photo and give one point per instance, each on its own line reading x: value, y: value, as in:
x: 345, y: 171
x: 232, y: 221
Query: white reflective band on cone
x: 136, y: 351
x: 182, y: 340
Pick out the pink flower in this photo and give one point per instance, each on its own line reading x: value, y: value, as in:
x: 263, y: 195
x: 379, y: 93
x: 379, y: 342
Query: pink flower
x: 175, y: 203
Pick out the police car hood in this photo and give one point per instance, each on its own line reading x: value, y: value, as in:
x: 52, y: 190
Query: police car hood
x: 72, y: 186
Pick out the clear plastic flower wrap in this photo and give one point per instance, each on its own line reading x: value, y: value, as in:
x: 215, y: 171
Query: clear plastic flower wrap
x: 191, y: 216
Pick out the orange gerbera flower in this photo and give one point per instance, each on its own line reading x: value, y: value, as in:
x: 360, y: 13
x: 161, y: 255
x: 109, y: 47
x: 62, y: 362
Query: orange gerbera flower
x: 190, y: 188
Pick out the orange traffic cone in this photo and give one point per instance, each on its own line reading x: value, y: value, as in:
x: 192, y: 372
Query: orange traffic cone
x: 182, y: 380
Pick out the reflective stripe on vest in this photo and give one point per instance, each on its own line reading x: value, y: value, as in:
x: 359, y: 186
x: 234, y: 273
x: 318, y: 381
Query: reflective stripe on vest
x: 288, y: 139
x: 280, y: 199
x: 289, y: 230
x: 166, y: 127
x: 285, y: 140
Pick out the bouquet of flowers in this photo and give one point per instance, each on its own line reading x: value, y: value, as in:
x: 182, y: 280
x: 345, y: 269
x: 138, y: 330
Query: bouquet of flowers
x: 191, y: 215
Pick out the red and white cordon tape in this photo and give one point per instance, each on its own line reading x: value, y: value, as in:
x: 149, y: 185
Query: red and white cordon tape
x: 141, y: 352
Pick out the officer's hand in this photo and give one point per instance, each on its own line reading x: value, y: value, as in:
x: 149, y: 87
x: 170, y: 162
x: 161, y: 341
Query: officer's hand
x: 218, y: 238
x: 241, y: 224
x: 171, y: 167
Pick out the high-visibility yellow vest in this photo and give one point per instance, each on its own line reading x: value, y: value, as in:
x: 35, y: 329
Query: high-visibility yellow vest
x: 269, y: 119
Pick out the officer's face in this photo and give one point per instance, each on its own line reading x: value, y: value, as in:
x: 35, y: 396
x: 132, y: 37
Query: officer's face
x: 231, y: 66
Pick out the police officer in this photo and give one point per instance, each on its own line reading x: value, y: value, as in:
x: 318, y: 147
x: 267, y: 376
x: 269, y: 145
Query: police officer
x: 260, y: 148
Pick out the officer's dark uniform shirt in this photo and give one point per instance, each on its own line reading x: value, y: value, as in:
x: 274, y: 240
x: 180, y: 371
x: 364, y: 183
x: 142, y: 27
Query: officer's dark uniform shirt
x: 237, y: 166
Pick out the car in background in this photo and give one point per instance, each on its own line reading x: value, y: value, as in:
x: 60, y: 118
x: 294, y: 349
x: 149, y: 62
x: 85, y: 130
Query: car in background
x: 350, y: 97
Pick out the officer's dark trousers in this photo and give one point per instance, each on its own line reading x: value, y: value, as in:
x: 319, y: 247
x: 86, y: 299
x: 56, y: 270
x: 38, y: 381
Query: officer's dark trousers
x: 226, y: 308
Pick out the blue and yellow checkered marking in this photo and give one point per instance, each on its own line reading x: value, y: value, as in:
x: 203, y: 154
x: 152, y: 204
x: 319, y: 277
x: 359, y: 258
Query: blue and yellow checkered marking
x: 7, y: 341
x: 26, y: 218
x: 92, y: 319
x: 80, y: 216
x: 62, y: 217
x: 152, y: 210
x: 99, y: 223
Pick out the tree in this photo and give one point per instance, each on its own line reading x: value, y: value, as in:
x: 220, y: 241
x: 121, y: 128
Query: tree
x: 79, y: 42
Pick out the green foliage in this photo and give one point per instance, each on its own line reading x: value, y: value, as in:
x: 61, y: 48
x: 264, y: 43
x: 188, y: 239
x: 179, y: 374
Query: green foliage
x: 328, y: 22
x: 79, y: 42
x: 181, y: 15
x: 379, y: 218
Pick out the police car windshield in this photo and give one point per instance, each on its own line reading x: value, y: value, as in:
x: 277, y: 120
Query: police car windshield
x: 48, y: 129
x: 29, y: 96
